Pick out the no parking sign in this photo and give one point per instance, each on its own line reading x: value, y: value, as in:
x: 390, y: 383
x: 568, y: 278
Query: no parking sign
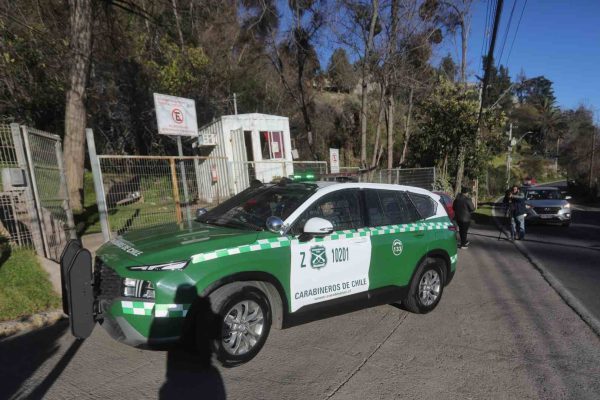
x: 175, y: 116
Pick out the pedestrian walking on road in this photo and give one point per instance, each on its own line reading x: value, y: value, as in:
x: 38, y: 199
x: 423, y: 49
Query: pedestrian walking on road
x: 518, y: 211
x: 463, y: 207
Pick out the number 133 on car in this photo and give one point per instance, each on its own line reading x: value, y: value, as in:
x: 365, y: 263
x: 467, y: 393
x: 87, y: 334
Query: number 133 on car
x: 273, y: 256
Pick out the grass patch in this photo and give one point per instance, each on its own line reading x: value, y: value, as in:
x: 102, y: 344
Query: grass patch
x: 24, y: 286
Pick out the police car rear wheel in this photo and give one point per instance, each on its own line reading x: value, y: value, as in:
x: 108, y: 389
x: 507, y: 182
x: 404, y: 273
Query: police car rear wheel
x: 426, y: 287
x: 245, y: 317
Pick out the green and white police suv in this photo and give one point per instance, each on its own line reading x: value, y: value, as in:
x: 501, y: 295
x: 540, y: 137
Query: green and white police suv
x: 274, y: 255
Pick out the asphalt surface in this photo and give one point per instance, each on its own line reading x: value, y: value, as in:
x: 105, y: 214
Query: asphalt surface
x: 571, y: 254
x: 500, y: 331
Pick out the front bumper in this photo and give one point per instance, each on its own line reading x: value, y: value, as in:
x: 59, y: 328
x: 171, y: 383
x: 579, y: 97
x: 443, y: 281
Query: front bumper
x: 90, y: 298
x: 549, y: 218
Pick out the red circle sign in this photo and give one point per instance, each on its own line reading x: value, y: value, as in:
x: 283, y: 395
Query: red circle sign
x: 177, y: 116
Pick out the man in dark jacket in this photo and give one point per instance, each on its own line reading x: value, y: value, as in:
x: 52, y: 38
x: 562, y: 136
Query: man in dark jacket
x: 463, y: 207
x: 518, y: 211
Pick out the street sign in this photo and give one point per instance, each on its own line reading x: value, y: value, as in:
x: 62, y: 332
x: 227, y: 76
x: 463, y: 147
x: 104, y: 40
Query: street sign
x: 175, y: 116
x: 334, y: 161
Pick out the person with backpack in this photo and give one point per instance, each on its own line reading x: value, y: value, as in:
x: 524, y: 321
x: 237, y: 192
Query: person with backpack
x: 463, y: 207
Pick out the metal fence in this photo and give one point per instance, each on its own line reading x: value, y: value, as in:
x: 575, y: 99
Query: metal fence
x: 419, y: 177
x: 142, y: 191
x: 34, y: 208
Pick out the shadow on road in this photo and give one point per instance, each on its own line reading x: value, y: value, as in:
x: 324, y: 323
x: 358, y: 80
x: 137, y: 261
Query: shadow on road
x: 190, y: 373
x: 21, y: 356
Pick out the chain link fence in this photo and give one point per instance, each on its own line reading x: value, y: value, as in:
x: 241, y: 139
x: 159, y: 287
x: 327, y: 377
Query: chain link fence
x: 15, y: 221
x: 419, y: 177
x: 34, y: 208
x: 143, y: 191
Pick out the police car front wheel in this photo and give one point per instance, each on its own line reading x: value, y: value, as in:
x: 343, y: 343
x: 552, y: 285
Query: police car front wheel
x: 245, y: 316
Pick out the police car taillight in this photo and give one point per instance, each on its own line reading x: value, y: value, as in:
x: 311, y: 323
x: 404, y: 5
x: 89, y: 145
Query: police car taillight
x: 452, y: 228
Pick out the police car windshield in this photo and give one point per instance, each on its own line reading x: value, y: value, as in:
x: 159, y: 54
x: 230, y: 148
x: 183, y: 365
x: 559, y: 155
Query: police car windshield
x: 251, y: 208
x: 544, y: 195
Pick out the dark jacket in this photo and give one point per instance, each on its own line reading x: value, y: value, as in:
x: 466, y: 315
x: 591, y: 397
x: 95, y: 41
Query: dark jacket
x: 517, y: 205
x: 463, y: 207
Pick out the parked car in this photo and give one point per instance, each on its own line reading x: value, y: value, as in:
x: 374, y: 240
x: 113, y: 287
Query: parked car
x: 275, y: 255
x: 529, y: 181
x: 547, y: 205
x: 447, y: 202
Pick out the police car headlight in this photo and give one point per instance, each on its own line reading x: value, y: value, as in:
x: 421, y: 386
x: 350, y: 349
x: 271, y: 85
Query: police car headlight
x: 138, y: 288
x: 174, y: 266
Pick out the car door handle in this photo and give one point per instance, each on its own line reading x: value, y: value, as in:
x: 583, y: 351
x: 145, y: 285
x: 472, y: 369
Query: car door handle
x: 359, y: 240
x: 419, y: 234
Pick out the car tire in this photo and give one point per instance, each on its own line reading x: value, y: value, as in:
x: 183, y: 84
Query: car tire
x: 244, y: 320
x: 426, y: 287
x: 566, y: 224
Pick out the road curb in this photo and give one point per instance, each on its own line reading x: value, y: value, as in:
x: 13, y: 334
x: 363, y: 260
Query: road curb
x: 26, y: 324
x: 563, y: 292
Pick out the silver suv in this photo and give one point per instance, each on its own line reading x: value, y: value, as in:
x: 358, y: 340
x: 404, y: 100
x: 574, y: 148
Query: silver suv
x: 547, y: 205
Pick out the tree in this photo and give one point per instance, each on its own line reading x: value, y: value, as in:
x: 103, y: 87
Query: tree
x: 340, y: 72
x: 75, y: 110
x: 295, y: 59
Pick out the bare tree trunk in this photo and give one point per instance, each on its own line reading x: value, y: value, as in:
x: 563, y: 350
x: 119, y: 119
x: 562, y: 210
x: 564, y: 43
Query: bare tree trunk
x: 407, y: 128
x: 364, y: 84
x: 390, y: 131
x: 461, y: 170
x: 178, y: 23
x: 378, y: 127
x: 75, y: 111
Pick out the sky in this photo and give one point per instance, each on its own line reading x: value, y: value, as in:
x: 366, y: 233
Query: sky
x: 559, y: 39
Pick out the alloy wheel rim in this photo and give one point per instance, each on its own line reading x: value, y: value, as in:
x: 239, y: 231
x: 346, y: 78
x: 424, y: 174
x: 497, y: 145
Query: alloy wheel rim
x: 429, y: 287
x: 243, y: 327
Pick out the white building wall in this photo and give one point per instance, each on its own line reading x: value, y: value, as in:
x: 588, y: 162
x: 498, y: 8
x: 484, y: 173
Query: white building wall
x: 238, y: 165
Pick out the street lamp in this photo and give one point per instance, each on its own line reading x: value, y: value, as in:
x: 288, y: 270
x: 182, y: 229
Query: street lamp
x: 512, y: 142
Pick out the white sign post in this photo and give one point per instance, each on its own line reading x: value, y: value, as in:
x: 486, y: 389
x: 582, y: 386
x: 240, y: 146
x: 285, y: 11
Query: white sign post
x: 334, y: 161
x: 176, y: 116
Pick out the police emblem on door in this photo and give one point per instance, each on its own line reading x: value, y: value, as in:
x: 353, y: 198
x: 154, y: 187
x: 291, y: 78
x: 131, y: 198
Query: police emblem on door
x: 318, y: 257
x: 397, y: 247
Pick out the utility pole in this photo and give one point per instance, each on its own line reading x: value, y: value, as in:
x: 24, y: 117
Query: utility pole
x: 235, y: 104
x: 592, y: 159
x: 509, y: 155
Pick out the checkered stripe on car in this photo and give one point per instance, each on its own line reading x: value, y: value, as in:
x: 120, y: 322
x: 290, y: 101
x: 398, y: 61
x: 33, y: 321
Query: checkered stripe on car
x: 137, y: 307
x: 171, y: 310
x: 160, y: 310
x: 421, y: 226
x: 284, y: 241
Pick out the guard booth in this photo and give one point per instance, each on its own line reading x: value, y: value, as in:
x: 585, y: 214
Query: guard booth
x: 257, y: 146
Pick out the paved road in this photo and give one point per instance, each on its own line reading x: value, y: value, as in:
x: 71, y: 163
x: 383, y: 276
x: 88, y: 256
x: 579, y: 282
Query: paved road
x: 499, y: 332
x: 572, y: 254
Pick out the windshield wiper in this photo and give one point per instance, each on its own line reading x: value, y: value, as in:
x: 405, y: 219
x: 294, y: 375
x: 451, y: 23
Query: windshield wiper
x: 232, y: 224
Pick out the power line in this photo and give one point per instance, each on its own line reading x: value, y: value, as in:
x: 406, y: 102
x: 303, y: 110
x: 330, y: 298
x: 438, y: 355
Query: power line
x: 516, y: 32
x: 488, y: 62
x: 506, y: 32
x: 485, y: 30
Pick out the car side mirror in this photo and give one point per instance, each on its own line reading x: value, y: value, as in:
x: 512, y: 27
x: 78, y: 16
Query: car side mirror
x: 200, y: 212
x: 318, y: 227
x: 274, y: 224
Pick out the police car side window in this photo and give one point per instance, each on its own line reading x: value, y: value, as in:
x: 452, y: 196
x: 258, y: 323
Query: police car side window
x: 388, y: 207
x: 341, y: 208
x: 424, y: 204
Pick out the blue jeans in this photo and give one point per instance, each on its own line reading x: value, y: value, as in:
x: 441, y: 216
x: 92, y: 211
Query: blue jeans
x: 517, y: 226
